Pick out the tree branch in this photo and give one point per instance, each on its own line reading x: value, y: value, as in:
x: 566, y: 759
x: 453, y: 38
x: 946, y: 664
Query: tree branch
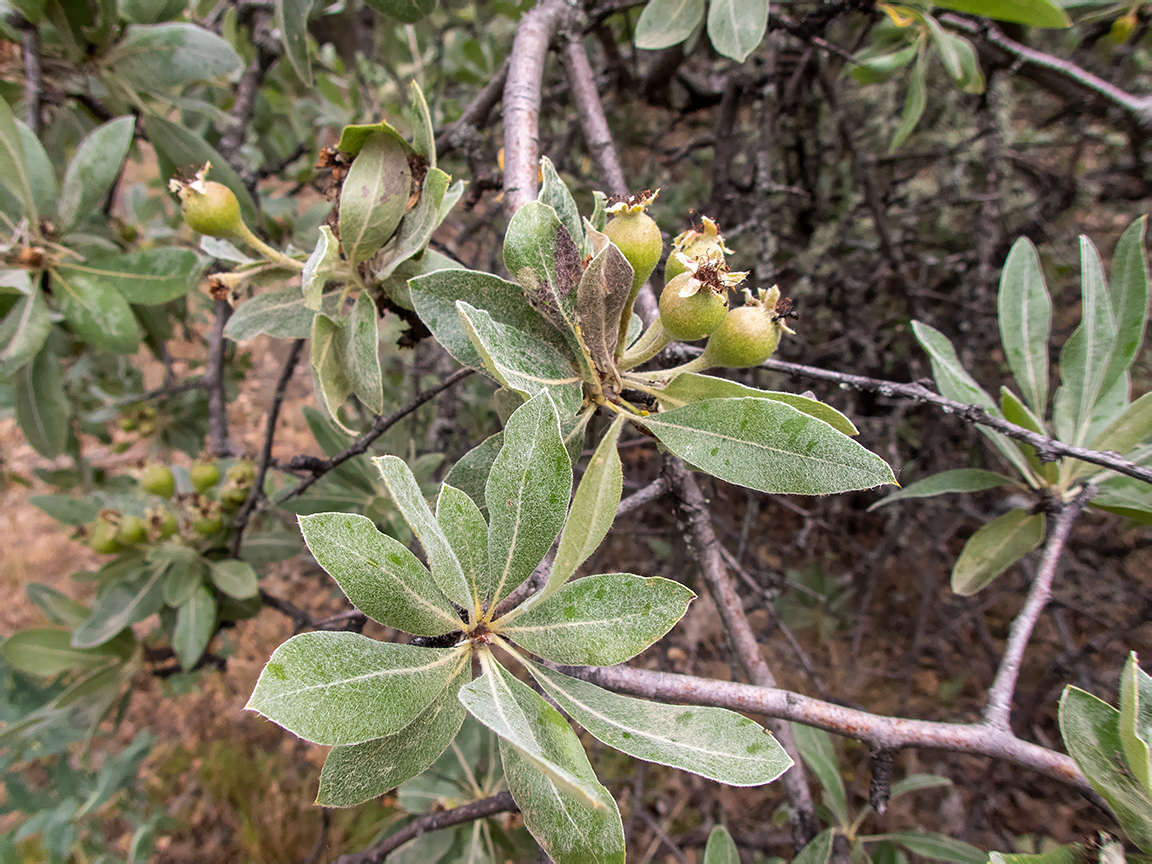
x: 257, y: 490
x: 883, y: 733
x: 999, y: 707
x: 482, y: 809
x: 214, y: 379
x: 320, y: 467
x: 267, y: 50
x: 33, y: 77
x: 582, y: 85
x: 476, y: 112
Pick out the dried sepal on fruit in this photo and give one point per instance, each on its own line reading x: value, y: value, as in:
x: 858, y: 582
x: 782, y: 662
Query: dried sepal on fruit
x: 750, y: 333
x: 694, y: 303
x: 699, y: 244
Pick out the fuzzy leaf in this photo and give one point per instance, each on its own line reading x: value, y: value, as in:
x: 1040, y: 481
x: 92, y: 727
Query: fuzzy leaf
x: 736, y: 27
x: 13, y: 167
x: 1129, y: 294
x: 45, y: 651
x: 23, y: 332
x: 768, y: 446
x: 442, y: 561
x: 959, y: 480
x: 996, y: 547
x: 378, y: 574
x: 819, y: 755
x: 600, y: 620
x: 467, y: 533
x: 721, y: 849
x: 665, y: 23
x: 329, y: 372
x: 937, y: 847
x: 344, y: 688
x: 1038, y: 13
x: 195, y: 623
x: 93, y: 170
x: 1025, y: 316
x: 159, y: 57
x: 818, y: 850
x: 281, y: 314
x: 127, y: 600
x: 147, y: 277
x: 357, y: 773
x: 322, y: 265
x: 360, y: 352
x: 292, y: 22
x: 96, y: 311
x: 554, y: 193
x: 527, y: 495
x: 470, y: 473
x: 418, y: 224
x: 915, y: 100
x: 235, y: 578
x: 714, y: 742
x: 42, y: 406
x: 600, y: 298
x: 1135, y: 723
x: 374, y: 196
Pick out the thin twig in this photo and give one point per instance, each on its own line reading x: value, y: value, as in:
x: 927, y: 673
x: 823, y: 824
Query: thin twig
x: 877, y: 730
x: 482, y: 809
x: 642, y: 496
x: 320, y: 467
x: 214, y: 377
x: 582, y: 86
x: 999, y: 708
x: 33, y: 77
x: 476, y: 112
x: 244, y: 106
x: 257, y: 490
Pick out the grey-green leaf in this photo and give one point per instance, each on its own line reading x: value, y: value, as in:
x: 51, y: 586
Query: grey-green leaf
x: 23, y: 331
x: 1129, y: 293
x: 600, y: 620
x: 1086, y: 355
x: 736, y: 27
x: 915, y: 100
x: 818, y: 850
x: 959, y: 480
x: 282, y: 314
x: 129, y: 599
x: 13, y: 168
x: 418, y: 225
x: 146, y: 277
x: 768, y: 446
x: 1038, y: 13
x: 665, y: 23
x: 593, y: 510
x: 378, y: 574
x: 42, y: 406
x: 1135, y: 722
x: 713, y: 742
x: 157, y: 57
x: 521, y: 362
x: 996, y: 547
x: 819, y: 755
x: 470, y: 473
x: 693, y: 387
x: 235, y: 578
x: 41, y: 170
x: 96, y: 311
x: 1025, y: 316
x: 292, y: 22
x: 360, y: 351
x: 374, y: 196
x: 604, y: 289
x: 467, y: 532
x: 45, y: 651
x: 355, y: 773
x: 195, y: 623
x: 322, y: 265
x: 527, y: 494
x: 442, y: 561
x: 93, y: 170
x: 344, y: 688
x: 937, y: 847
x: 329, y: 372
x: 721, y: 849
x: 554, y: 193
x: 542, y: 256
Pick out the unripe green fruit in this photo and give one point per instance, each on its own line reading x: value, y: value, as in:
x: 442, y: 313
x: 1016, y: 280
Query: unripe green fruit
x: 233, y: 497
x: 243, y: 473
x: 693, y: 317
x: 204, y: 475
x: 207, y: 525
x: 703, y: 245
x: 102, y: 537
x: 162, y: 523
x: 132, y: 531
x: 128, y: 424
x: 747, y: 337
x: 638, y: 238
x: 211, y: 209
x: 158, y: 480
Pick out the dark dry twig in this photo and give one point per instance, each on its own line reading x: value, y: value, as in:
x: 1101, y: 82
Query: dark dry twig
x: 214, y: 377
x: 33, y: 77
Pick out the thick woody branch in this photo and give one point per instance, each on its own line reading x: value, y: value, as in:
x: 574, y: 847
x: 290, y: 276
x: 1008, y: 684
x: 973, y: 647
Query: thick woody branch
x: 500, y: 803
x: 257, y: 490
x: 883, y: 733
x: 522, y: 100
x: 999, y: 708
x: 582, y: 86
x: 1062, y: 77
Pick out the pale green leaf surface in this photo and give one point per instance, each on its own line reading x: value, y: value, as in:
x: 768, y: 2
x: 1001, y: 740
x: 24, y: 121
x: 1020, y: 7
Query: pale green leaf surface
x: 13, y: 168
x: 374, y: 196
x: 1090, y: 728
x: 1135, y: 723
x: 470, y: 473
x: 354, y: 137
x: 42, y: 406
x: 360, y: 351
x: 693, y: 387
x: 424, y: 132
x: 281, y: 314
x: 434, y: 297
x: 1025, y: 316
x: 329, y: 371
x: 292, y: 22
x: 344, y: 688
x: 945, y: 49
x: 442, y: 561
x: 1038, y: 13
x: 41, y: 170
x: 158, y: 57
x: 554, y: 193
x: 521, y: 717
x: 818, y: 850
x: 527, y: 495
x: 1085, y: 357
x: 185, y: 576
x: 665, y: 23
x: 1129, y: 293
x: 418, y: 225
x: 322, y: 265
x: 355, y: 773
x: 937, y: 847
x: 1070, y: 854
x: 146, y: 277
x: 1015, y: 411
x: 1124, y: 433
x: 542, y: 256
x: 819, y: 754
x: 23, y: 331
x: 601, y: 295
x: 736, y: 27
x: 59, y: 608
x: 994, y: 548
x: 45, y: 651
x: 235, y: 578
x: 768, y: 446
x: 915, y: 100
x: 378, y: 574
x: 93, y: 170
x: 959, y: 480
x: 467, y: 532
x: 520, y: 362
x: 129, y: 599
x: 96, y: 311
x: 720, y: 848
x: 916, y: 783
x: 600, y: 620
x: 713, y: 742
x: 593, y: 510
x: 195, y: 622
